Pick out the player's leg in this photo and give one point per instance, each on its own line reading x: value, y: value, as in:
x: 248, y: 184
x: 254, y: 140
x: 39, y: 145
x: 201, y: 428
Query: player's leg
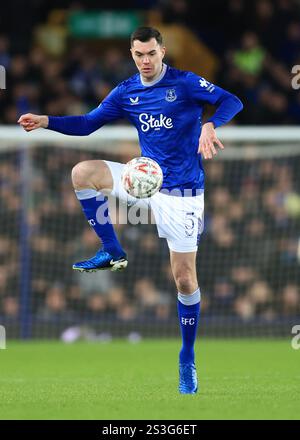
x: 183, y: 266
x: 180, y: 221
x: 92, y: 181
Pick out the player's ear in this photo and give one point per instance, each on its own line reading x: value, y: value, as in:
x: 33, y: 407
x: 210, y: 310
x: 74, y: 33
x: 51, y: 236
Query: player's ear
x: 163, y: 50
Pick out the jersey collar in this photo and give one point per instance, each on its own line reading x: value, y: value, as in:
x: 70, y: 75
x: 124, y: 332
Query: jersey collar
x: 152, y: 83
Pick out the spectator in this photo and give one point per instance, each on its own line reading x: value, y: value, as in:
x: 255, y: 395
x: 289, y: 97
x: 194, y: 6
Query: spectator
x: 55, y: 307
x: 250, y: 57
x: 290, y: 301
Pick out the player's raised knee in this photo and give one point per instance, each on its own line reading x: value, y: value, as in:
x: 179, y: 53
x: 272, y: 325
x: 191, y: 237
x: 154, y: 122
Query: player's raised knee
x: 81, y: 174
x: 92, y: 174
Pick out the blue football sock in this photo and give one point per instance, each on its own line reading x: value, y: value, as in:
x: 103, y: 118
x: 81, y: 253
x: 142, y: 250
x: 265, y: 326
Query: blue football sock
x: 188, y: 313
x: 95, y: 207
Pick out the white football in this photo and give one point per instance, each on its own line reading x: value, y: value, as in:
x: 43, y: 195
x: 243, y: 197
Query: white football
x: 142, y: 177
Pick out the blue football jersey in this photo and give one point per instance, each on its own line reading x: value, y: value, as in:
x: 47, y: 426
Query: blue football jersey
x: 167, y: 114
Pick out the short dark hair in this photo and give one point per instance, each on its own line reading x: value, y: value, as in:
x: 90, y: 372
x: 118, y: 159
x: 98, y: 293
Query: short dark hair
x: 145, y: 33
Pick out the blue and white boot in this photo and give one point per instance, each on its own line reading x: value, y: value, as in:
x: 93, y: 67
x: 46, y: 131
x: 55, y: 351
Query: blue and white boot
x: 102, y: 261
x: 188, y: 382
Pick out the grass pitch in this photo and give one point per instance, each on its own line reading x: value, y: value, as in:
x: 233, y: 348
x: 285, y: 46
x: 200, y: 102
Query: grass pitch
x: 239, y: 379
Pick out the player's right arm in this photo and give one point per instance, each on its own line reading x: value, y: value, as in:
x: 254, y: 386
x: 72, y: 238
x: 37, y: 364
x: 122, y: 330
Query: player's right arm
x: 109, y: 110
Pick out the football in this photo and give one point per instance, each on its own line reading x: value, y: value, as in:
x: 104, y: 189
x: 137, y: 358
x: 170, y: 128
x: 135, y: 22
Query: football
x: 142, y: 177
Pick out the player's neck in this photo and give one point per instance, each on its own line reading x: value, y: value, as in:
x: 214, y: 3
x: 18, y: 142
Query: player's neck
x: 155, y: 78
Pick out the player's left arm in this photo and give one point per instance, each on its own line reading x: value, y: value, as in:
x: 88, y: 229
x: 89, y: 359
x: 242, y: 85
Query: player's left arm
x: 228, y: 105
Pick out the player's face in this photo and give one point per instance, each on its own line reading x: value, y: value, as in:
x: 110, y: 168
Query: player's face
x: 148, y: 58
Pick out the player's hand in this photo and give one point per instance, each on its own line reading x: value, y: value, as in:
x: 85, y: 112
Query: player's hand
x: 207, y: 140
x: 31, y: 122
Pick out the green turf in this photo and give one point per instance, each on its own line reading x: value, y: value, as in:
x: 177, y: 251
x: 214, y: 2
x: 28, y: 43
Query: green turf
x: 239, y: 379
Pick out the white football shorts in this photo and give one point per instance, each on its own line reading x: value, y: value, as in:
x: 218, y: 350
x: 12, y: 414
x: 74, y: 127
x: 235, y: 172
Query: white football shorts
x: 180, y: 220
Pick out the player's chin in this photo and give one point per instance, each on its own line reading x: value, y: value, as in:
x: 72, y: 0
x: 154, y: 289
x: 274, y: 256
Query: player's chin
x: 147, y: 73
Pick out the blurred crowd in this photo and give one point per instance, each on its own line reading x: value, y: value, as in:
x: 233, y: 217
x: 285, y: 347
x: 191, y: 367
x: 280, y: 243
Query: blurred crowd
x: 257, y: 43
x: 248, y: 261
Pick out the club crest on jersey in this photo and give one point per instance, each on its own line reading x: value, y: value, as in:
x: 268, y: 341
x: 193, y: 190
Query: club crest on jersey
x: 170, y: 95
